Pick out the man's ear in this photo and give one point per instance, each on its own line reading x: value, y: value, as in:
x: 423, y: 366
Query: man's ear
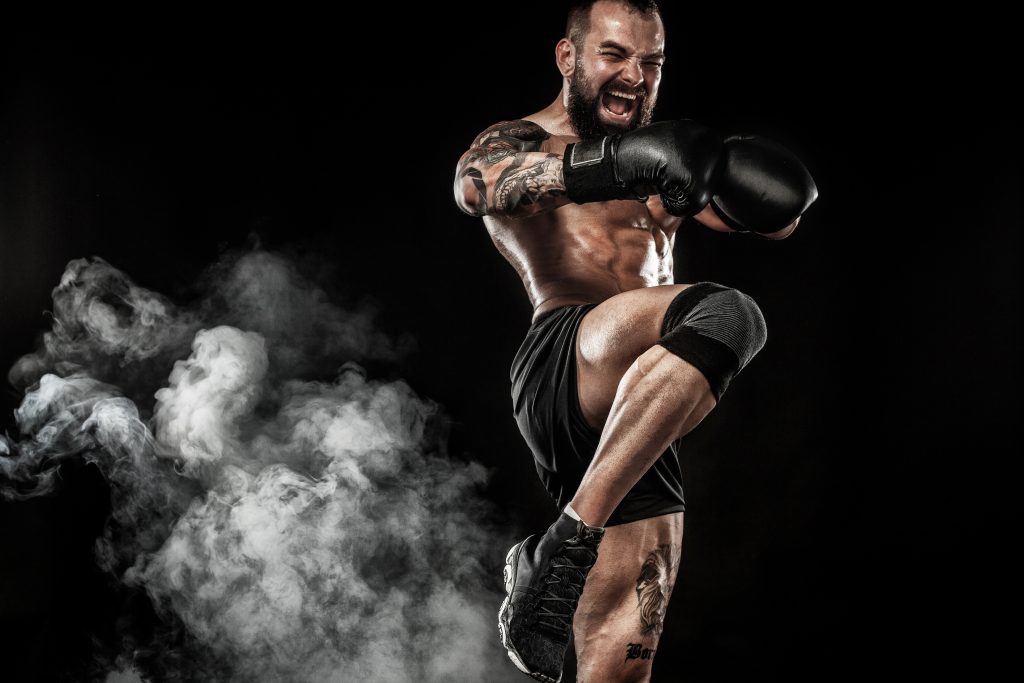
x: 565, y: 57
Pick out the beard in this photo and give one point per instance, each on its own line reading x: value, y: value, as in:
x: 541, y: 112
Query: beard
x: 583, y: 107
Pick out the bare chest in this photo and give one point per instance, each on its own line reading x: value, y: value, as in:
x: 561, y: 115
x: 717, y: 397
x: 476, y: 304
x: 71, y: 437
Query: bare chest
x: 627, y: 241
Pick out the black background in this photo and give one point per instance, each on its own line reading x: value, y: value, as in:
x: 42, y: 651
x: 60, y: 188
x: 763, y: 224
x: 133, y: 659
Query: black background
x: 849, y: 501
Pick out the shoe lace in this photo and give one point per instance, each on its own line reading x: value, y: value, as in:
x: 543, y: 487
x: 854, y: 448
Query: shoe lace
x: 554, y: 611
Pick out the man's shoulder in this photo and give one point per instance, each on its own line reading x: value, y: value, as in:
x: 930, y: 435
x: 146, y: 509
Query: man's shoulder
x: 519, y: 129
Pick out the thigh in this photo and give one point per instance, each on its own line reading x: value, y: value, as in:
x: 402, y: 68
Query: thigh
x: 610, y: 338
x: 621, y: 613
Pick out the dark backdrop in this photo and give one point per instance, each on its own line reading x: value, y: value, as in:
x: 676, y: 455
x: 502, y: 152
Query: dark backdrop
x: 847, y: 502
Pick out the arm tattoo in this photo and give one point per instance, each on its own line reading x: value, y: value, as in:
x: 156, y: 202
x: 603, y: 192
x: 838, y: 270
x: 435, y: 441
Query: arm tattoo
x: 510, y: 173
x: 653, y: 589
x: 529, y: 185
x: 478, y: 180
x: 526, y: 133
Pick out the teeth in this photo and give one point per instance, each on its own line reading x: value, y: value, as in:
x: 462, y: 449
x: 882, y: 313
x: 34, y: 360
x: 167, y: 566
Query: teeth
x: 623, y: 95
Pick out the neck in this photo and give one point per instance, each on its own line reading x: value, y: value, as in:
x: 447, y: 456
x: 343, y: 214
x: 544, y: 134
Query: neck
x: 556, y: 118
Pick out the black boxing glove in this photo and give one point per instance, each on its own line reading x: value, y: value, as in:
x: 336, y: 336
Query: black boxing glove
x: 762, y: 188
x: 675, y: 159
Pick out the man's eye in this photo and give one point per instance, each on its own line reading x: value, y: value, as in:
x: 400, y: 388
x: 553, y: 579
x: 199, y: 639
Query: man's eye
x: 612, y: 54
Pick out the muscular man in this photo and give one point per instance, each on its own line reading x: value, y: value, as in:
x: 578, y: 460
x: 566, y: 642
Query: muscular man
x: 584, y: 199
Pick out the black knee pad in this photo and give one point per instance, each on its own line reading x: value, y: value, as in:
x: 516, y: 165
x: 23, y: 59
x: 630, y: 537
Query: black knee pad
x: 716, y: 329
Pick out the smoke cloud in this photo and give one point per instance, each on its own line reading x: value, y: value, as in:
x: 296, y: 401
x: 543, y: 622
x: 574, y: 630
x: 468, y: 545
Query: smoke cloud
x: 285, y: 523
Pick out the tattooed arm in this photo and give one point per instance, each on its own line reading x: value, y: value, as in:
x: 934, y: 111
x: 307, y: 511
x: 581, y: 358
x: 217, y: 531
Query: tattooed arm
x: 505, y: 173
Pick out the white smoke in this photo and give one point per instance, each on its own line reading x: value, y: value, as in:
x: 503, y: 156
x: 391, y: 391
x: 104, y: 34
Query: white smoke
x: 199, y: 415
x: 299, y: 528
x: 129, y: 676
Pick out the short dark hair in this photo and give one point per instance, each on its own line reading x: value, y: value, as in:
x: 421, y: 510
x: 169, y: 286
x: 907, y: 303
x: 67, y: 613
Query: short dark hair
x: 578, y: 22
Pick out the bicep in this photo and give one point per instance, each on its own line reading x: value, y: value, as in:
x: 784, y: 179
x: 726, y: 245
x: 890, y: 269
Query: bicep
x: 481, y: 166
x: 507, y: 170
x: 498, y: 146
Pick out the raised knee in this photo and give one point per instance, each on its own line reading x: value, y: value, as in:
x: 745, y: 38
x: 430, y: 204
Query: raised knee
x: 715, y: 328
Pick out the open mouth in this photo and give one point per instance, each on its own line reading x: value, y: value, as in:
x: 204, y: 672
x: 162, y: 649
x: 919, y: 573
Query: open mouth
x: 619, y: 105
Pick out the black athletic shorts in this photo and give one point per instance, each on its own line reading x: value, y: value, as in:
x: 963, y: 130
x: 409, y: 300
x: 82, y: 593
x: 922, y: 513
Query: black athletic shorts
x: 546, y: 407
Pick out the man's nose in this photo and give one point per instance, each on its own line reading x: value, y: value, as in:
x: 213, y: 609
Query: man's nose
x: 632, y: 73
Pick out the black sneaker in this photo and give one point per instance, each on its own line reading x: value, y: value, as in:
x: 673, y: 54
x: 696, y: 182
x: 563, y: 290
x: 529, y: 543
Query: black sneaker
x: 544, y: 578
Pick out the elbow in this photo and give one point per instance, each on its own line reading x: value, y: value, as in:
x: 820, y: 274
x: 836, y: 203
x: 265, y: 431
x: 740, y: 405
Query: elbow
x: 468, y: 197
x: 805, y: 196
x: 782, y: 234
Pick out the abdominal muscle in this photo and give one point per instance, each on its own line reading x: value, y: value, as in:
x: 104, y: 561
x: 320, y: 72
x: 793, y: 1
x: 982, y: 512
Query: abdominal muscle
x: 588, y: 253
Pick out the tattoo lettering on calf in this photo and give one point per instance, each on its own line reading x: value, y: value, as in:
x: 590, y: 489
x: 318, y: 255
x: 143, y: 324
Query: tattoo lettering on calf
x: 638, y: 651
x: 653, y: 589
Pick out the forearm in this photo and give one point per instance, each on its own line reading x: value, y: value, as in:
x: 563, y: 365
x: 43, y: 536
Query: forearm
x: 709, y: 219
x: 511, y: 170
x: 519, y: 185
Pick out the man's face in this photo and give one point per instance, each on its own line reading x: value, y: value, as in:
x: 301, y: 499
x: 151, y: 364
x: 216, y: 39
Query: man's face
x: 614, y: 86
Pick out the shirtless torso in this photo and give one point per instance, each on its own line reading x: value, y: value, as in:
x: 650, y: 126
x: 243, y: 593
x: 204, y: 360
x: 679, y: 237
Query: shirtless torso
x: 579, y: 253
x: 587, y: 252
x: 575, y: 253
x: 634, y: 393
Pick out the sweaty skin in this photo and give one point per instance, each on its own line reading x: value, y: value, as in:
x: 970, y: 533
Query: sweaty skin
x: 512, y: 177
x: 620, y: 253
x: 577, y: 253
x: 569, y: 253
x: 564, y: 252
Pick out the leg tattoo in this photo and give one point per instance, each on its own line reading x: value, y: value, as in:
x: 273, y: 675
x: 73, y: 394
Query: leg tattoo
x: 638, y: 651
x: 653, y: 589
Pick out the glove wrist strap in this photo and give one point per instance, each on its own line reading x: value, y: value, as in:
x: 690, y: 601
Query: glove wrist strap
x: 588, y: 168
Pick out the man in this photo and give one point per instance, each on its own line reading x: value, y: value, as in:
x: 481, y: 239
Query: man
x: 584, y: 199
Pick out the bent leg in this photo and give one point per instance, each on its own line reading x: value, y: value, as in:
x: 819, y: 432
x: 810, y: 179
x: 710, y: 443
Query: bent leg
x: 660, y: 398
x: 621, y: 613
x: 657, y: 388
x: 708, y: 333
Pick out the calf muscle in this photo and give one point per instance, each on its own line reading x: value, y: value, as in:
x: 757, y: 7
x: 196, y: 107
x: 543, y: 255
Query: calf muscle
x: 621, y: 615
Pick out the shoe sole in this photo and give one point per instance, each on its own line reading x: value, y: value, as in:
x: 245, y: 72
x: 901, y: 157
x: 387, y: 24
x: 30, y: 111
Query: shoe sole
x: 508, y: 574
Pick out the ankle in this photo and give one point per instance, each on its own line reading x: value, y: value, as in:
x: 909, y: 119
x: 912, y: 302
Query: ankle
x: 569, y: 510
